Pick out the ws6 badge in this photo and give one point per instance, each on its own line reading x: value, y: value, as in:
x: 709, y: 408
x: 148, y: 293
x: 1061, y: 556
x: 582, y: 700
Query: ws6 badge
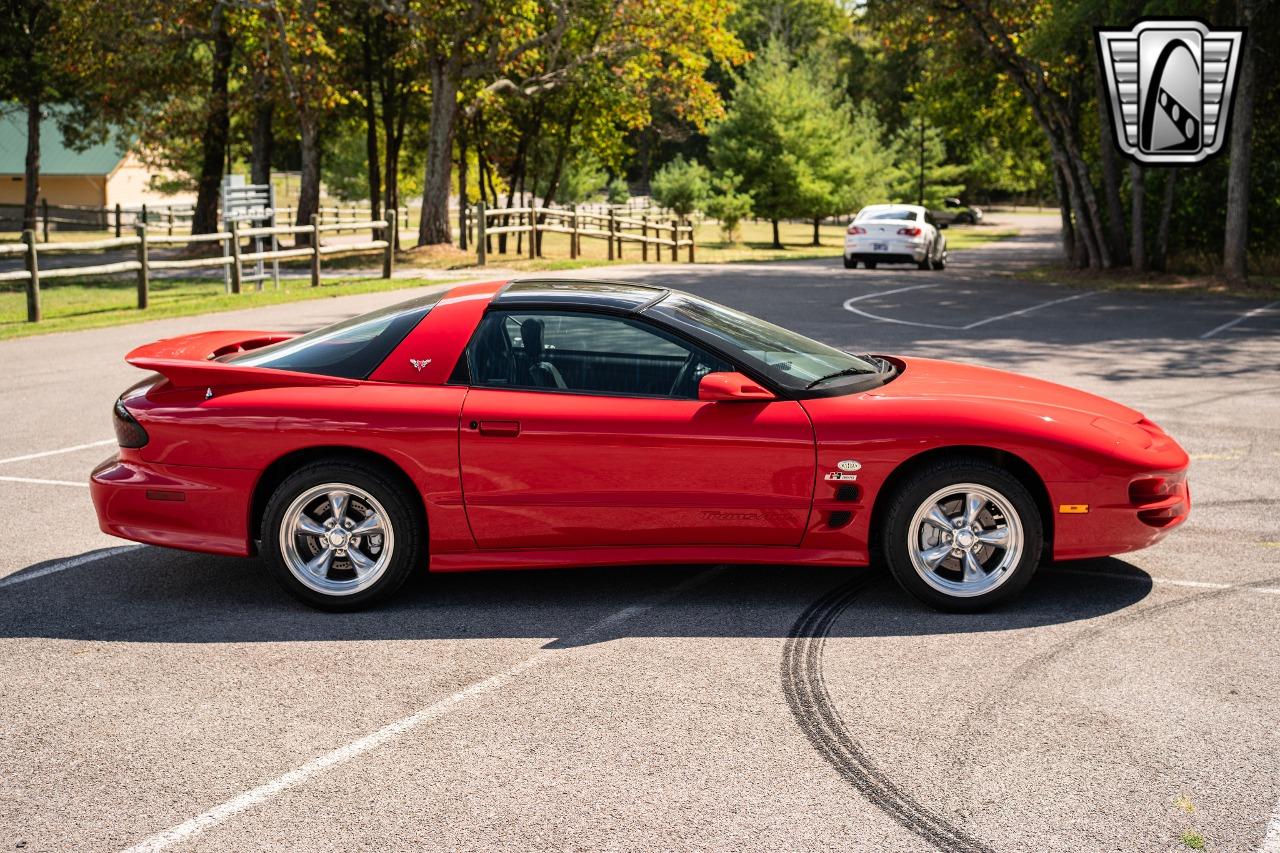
x: 1170, y: 84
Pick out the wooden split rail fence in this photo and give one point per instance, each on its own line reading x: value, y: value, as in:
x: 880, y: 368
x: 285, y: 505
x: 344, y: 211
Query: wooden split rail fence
x: 654, y: 235
x: 232, y: 257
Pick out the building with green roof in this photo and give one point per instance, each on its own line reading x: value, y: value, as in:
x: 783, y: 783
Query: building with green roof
x: 102, y: 175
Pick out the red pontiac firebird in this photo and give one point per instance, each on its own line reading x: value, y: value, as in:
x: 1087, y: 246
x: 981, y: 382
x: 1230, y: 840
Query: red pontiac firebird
x: 554, y: 423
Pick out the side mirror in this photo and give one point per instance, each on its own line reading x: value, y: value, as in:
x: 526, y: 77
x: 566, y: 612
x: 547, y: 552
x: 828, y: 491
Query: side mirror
x: 727, y: 387
x: 942, y: 226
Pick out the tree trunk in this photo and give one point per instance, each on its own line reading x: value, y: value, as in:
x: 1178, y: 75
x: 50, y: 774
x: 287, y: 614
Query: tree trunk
x: 1159, y: 261
x: 371, y: 123
x: 31, y: 175
x: 1235, y: 246
x: 1064, y: 207
x: 777, y: 242
x: 817, y: 222
x: 394, y: 107
x: 434, y: 227
x: 1138, y: 238
x: 309, y: 191
x: 217, y: 132
x: 262, y: 142
x: 463, y: 177
x: 1110, y: 172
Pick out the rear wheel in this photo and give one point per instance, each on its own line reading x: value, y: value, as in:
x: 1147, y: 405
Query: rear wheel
x: 340, y: 535
x: 941, y: 262
x: 925, y: 264
x: 850, y: 263
x: 962, y: 535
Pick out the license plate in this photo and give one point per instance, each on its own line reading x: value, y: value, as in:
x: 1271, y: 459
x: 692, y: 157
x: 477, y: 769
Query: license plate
x: 879, y: 247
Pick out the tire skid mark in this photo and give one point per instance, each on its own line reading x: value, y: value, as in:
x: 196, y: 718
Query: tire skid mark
x: 805, y: 688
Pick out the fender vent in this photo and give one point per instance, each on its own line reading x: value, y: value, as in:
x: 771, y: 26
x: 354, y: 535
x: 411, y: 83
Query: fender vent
x: 839, y: 519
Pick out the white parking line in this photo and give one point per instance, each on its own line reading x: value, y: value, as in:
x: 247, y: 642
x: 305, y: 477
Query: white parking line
x: 42, y: 482
x: 1025, y: 310
x: 45, y: 453
x: 54, y: 568
x: 1262, y: 309
x: 849, y: 306
x: 1271, y: 839
x: 220, y: 813
x: 1264, y: 590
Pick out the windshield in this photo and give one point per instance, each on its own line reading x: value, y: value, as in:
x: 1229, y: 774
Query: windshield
x: 895, y: 213
x: 351, y: 349
x: 791, y: 360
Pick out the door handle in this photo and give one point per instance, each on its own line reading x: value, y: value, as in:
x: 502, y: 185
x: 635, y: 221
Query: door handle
x: 509, y: 429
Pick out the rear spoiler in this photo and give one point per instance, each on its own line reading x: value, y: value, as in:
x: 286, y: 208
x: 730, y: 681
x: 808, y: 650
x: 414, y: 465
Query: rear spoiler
x: 189, y: 361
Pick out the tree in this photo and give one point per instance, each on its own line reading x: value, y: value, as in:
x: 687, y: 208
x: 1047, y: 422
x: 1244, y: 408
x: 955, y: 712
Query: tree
x: 752, y: 139
x: 923, y: 173
x: 681, y: 185
x: 799, y: 149
x: 528, y: 50
x: 617, y: 191
x: 1235, y: 244
x: 728, y: 204
x: 32, y: 49
x: 302, y: 34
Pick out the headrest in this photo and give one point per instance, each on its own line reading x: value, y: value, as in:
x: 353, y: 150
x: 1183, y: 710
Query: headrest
x: 531, y: 335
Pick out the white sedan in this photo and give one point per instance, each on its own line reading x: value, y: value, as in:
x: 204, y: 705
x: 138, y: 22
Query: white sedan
x: 895, y: 234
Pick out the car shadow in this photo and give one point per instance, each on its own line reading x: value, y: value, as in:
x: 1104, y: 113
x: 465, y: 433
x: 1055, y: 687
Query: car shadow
x: 154, y: 595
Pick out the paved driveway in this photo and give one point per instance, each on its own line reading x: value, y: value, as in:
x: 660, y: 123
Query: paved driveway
x: 184, y: 700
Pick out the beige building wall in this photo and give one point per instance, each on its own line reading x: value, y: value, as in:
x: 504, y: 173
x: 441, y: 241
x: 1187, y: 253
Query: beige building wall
x: 128, y: 186
x: 58, y: 189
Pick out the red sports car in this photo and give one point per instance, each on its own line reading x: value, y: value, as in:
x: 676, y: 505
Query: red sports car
x: 552, y: 423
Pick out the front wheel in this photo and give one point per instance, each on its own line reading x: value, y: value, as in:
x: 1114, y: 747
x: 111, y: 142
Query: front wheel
x: 962, y: 535
x: 340, y: 535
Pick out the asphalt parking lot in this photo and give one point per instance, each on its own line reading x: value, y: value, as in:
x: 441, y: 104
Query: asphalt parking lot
x: 179, y: 701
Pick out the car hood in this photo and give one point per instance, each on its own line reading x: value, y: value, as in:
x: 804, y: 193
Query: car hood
x: 926, y: 378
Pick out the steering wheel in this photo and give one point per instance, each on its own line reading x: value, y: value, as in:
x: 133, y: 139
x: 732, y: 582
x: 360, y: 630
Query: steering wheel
x: 682, y: 377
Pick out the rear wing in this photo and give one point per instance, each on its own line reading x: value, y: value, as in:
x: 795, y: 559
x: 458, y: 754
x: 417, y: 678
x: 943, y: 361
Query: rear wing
x: 190, y: 361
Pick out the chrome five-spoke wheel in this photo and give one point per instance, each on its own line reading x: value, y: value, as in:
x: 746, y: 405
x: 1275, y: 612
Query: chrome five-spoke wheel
x: 965, y: 539
x: 335, y: 539
x: 962, y: 533
x: 341, y: 534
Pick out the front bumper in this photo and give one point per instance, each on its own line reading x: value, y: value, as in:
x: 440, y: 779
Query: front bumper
x: 1117, y: 521
x: 177, y: 506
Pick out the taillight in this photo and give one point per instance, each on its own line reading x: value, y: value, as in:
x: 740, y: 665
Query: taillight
x: 857, y: 229
x: 909, y: 232
x: 129, y: 433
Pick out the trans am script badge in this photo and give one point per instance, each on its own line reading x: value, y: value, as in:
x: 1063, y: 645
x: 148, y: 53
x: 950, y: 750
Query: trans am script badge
x: 1170, y: 84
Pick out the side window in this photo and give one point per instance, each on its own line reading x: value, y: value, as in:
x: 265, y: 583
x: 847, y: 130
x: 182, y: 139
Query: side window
x: 585, y: 353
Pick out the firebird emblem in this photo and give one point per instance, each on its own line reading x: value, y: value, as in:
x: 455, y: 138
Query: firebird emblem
x: 418, y: 364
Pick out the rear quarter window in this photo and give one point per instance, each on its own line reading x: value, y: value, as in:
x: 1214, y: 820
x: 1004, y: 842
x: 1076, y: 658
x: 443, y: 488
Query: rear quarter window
x: 351, y: 349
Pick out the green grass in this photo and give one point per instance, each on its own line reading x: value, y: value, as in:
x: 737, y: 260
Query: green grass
x: 88, y: 304
x: 1193, y: 839
x: 754, y: 245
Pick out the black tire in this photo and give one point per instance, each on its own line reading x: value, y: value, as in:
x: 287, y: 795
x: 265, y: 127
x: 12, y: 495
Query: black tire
x: 896, y: 536
x: 871, y: 265
x: 926, y: 263
x: 405, y: 533
x: 850, y: 263
x: 964, y: 219
x: 940, y: 263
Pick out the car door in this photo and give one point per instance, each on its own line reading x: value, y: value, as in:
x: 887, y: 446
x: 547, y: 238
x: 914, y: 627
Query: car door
x: 583, y: 429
